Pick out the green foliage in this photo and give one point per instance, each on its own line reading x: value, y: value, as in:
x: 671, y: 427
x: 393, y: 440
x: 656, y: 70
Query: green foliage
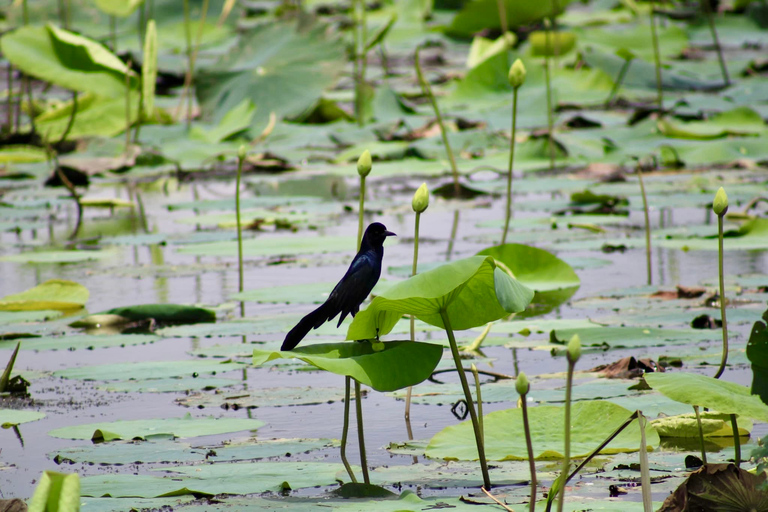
x: 472, y: 291
x: 66, y: 59
x: 721, y: 396
x: 279, y: 67
x: 56, y: 492
x: 505, y: 439
x: 757, y: 353
x: 55, y: 294
x: 398, y: 364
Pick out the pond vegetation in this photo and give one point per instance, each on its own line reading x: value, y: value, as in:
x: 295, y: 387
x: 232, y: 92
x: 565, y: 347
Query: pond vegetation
x: 572, y: 317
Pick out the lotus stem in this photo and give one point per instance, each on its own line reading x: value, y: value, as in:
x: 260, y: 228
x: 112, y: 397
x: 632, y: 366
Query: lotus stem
x: 647, y: 224
x: 468, y: 399
x: 657, y: 59
x: 511, y: 164
x: 361, y: 433
x: 128, y: 108
x: 356, y: 62
x: 478, y: 394
x: 573, y: 353
x: 529, y: 446
x: 25, y: 12
x: 724, y: 358
x: 241, y: 154
x: 360, y: 219
x: 71, y: 120
x: 188, y: 40
x: 113, y: 32
x: 345, y: 430
x: 547, y: 78
x: 710, y: 18
x: 73, y: 192
x: 428, y: 92
x: 619, y: 81
x: 736, y: 441
x: 413, y: 318
x: 30, y: 105
x: 9, y: 100
x: 191, y: 56
x: 645, y: 472
x: 701, y: 434
x: 502, y: 16
x: 452, y: 239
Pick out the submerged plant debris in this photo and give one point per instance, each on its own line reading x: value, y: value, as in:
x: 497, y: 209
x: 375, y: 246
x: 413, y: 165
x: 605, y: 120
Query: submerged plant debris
x: 145, y: 367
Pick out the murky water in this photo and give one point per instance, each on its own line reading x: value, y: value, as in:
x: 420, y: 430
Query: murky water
x: 211, y: 281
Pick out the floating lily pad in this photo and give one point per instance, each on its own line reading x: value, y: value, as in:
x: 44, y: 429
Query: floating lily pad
x: 235, y: 478
x: 56, y: 294
x: 84, y: 341
x: 721, y: 396
x: 592, y: 422
x: 13, y: 417
x: 148, y: 370
x: 183, y: 427
x: 264, y: 397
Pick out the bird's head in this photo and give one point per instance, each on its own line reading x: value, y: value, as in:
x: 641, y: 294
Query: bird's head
x: 376, y: 233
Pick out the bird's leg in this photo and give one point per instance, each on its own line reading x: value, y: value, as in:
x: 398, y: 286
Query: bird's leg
x: 377, y: 334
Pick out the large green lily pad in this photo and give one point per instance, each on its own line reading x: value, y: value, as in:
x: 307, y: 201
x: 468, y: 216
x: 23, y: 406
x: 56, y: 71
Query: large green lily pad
x: 592, y: 422
x: 394, y: 365
x: 56, y: 294
x: 472, y: 291
x: 183, y: 427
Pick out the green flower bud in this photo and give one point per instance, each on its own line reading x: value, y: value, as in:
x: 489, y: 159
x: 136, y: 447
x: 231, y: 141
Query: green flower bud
x: 364, y: 164
x: 517, y: 74
x: 420, y: 199
x: 521, y: 384
x: 720, y: 205
x: 242, y: 152
x: 574, y: 349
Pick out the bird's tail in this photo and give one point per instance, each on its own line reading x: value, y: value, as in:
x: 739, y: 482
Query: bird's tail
x: 312, y: 321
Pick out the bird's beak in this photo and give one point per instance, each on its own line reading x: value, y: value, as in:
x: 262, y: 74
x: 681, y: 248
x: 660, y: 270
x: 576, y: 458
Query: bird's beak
x: 389, y: 233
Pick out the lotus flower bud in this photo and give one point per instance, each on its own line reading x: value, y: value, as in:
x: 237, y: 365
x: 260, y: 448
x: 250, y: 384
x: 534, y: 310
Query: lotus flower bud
x: 521, y: 384
x: 574, y: 349
x: 720, y: 205
x: 242, y: 152
x: 364, y: 164
x: 517, y: 74
x: 420, y: 199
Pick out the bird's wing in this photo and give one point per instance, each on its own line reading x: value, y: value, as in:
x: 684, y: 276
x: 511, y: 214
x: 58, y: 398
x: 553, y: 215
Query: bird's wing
x: 356, y: 285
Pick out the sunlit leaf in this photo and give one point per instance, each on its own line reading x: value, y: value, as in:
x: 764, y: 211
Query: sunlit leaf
x: 472, y: 291
x: 399, y: 364
x: 56, y: 294
x: 592, y: 422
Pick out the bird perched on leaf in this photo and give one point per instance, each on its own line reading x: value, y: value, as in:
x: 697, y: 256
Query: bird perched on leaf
x: 351, y: 291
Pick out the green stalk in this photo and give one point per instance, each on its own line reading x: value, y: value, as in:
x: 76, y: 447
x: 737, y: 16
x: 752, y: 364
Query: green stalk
x: 645, y: 472
x: 71, y: 120
x: 9, y: 99
x: 529, y: 445
x: 502, y: 16
x: 718, y: 48
x: 468, y: 399
x: 413, y: 318
x: 113, y: 32
x: 701, y: 434
x: 479, y: 395
x: 509, y: 167
x: 657, y: 59
x: 452, y: 239
x: 360, y: 219
x: 241, y: 154
x: 619, y: 81
x: 548, y: 39
x: 443, y: 133
x: 5, y: 378
x: 567, y: 450
x: 361, y: 433
x: 128, y: 109
x: 724, y: 358
x: 647, y: 224
x: 345, y: 431
x: 736, y: 441
x: 357, y: 62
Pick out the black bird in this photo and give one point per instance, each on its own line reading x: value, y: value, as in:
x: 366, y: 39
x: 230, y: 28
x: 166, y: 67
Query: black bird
x: 351, y: 291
